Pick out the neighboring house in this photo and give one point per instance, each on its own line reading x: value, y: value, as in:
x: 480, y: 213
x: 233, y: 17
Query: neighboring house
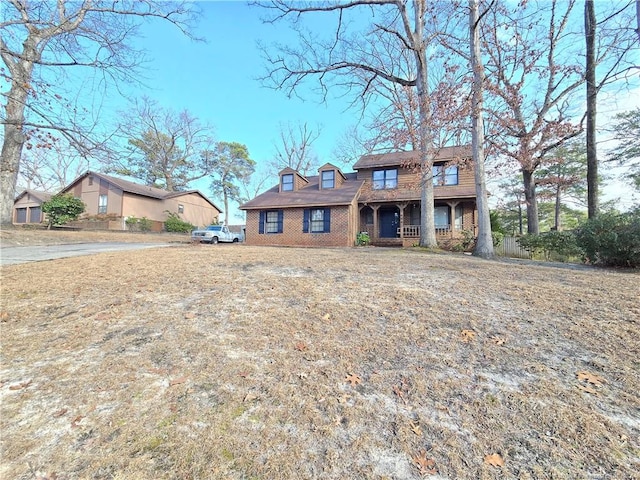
x: 117, y: 199
x: 27, y: 207
x: 381, y: 198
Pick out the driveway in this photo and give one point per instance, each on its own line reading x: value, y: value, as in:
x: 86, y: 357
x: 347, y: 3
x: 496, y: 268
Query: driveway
x: 38, y: 253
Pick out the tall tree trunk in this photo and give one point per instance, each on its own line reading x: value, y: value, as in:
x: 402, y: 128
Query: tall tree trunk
x: 520, y: 217
x: 556, y: 224
x: 533, y: 225
x: 592, y: 155
x: 226, y: 207
x: 484, y: 243
x: 13, y: 130
x: 638, y: 18
x: 427, y: 214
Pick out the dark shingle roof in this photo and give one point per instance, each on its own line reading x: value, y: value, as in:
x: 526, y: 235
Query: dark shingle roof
x: 308, y: 196
x: 405, y: 158
x: 38, y: 195
x: 142, y: 190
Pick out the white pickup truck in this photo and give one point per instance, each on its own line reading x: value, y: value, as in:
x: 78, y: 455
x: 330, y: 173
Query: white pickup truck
x: 214, y: 234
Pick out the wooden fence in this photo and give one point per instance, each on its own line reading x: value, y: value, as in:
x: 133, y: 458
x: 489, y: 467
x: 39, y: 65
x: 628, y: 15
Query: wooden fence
x: 511, y: 248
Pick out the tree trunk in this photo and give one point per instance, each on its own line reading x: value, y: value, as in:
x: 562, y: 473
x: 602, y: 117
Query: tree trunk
x: 556, y: 224
x: 14, y: 135
x: 484, y: 243
x: 427, y: 215
x: 533, y: 225
x: 592, y: 156
x: 520, y: 216
x: 226, y: 207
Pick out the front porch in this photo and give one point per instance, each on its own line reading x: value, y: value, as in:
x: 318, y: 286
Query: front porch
x: 398, y: 224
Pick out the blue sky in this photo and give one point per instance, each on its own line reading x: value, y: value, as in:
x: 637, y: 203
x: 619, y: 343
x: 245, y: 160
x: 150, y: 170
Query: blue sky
x: 217, y: 81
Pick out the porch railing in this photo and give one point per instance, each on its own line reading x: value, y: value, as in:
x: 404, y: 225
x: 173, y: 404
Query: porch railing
x: 413, y: 231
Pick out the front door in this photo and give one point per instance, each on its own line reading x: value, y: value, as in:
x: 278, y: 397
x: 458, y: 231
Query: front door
x: 389, y: 218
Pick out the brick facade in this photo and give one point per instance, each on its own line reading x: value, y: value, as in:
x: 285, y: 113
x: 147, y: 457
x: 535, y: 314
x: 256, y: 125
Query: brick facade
x: 341, y: 234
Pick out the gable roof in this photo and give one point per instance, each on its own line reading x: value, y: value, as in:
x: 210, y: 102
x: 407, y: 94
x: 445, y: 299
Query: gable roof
x: 38, y: 195
x: 403, y: 158
x: 137, y: 189
x: 308, y: 196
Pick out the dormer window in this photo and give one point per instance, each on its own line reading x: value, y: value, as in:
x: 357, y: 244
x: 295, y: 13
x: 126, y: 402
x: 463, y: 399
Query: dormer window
x: 329, y: 179
x: 287, y: 182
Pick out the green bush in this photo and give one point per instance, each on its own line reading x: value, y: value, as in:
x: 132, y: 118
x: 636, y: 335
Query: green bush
x: 553, y: 245
x: 139, y: 224
x: 175, y: 224
x: 497, y: 238
x: 363, y: 239
x: 611, y: 239
x: 63, y: 208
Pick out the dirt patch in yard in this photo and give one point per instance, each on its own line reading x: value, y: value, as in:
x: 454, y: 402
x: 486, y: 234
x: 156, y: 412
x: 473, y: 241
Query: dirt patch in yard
x: 243, y: 362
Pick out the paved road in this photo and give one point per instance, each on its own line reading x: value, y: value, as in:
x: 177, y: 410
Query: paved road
x: 38, y: 253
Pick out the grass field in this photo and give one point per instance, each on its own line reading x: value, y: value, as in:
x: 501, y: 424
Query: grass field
x: 234, y: 362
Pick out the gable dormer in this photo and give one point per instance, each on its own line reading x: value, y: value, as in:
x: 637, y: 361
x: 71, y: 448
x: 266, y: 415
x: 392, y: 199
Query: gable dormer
x: 330, y: 177
x: 291, y: 180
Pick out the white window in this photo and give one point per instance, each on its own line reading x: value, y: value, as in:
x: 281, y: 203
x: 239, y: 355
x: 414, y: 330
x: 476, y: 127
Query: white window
x: 271, y: 222
x: 445, y: 175
x: 459, y: 215
x: 441, y: 217
x: 317, y: 220
x: 385, y: 179
x: 287, y: 182
x: 329, y: 179
x: 102, y: 203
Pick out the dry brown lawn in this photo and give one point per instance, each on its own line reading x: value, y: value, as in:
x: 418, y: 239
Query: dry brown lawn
x: 239, y: 362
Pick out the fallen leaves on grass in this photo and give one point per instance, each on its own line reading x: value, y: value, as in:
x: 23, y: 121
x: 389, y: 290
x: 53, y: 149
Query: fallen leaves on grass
x: 177, y: 381
x: 301, y: 346
x: 591, y: 378
x: 494, y: 460
x: 353, y: 379
x: 76, y: 420
x: 21, y: 385
x: 498, y: 340
x: 415, y: 428
x: 467, y: 335
x: 426, y: 466
x: 589, y: 382
x: 60, y: 413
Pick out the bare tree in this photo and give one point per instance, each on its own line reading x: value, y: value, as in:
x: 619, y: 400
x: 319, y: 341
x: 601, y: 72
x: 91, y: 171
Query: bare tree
x: 590, y: 74
x: 167, y: 149
x: 533, y: 71
x: 40, y: 40
x: 353, y: 61
x: 294, y: 148
x: 609, y: 44
x: 484, y: 243
x: 50, y: 167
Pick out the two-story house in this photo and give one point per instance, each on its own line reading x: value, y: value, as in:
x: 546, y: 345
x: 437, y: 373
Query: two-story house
x: 382, y: 197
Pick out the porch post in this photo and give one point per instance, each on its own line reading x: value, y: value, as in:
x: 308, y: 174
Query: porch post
x: 401, y: 207
x: 452, y: 217
x: 376, y: 233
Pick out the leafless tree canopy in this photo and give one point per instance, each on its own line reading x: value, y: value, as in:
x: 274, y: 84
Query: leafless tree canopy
x: 165, y: 149
x: 295, y: 148
x: 41, y: 43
